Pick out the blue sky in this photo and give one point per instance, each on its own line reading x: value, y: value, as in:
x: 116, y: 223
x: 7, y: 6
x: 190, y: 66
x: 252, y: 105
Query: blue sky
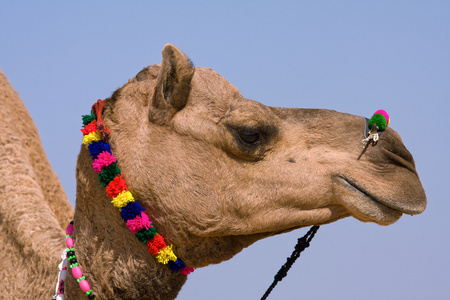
x: 350, y: 56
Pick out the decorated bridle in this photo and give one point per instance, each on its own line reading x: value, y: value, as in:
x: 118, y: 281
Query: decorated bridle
x: 95, y: 138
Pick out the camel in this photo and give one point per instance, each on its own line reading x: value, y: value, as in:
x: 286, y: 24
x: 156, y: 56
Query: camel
x: 215, y: 171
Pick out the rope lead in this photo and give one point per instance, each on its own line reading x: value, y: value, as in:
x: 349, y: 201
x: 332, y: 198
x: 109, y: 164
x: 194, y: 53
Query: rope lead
x: 302, y: 244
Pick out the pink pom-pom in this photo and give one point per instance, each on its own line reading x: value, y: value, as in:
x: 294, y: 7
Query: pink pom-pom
x: 76, y: 272
x: 69, y: 229
x: 84, y: 285
x: 139, y: 222
x: 69, y: 242
x: 103, y: 159
x: 187, y: 270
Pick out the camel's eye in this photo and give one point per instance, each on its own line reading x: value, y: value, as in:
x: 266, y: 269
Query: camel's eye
x: 249, y: 137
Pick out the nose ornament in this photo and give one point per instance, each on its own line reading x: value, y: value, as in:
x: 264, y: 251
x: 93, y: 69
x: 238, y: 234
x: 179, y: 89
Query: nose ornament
x: 377, y: 124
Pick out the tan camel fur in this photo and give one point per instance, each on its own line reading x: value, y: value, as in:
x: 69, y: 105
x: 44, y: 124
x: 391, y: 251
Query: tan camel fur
x: 216, y: 172
x: 33, y: 205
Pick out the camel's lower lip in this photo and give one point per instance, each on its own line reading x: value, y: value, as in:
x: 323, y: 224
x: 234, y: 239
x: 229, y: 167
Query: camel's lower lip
x: 365, y: 206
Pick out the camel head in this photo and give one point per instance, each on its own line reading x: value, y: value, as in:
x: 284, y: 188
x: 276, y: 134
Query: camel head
x: 217, y: 171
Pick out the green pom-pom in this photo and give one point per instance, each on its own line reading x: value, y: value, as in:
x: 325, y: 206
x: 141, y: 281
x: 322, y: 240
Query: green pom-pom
x: 108, y: 174
x: 88, y: 118
x: 378, y: 119
x: 145, y: 235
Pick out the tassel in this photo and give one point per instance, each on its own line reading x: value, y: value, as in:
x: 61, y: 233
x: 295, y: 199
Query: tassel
x: 156, y: 244
x: 177, y: 265
x: 381, y: 118
x: 187, y: 270
x: 91, y: 127
x: 103, y: 159
x: 165, y: 255
x: 145, y: 235
x: 122, y: 199
x: 96, y: 148
x: 138, y: 223
x: 88, y: 118
x: 116, y: 186
x: 131, y: 211
x: 91, y: 137
x: 108, y: 173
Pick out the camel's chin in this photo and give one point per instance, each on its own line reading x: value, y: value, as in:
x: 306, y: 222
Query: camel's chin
x: 215, y: 249
x: 364, y: 206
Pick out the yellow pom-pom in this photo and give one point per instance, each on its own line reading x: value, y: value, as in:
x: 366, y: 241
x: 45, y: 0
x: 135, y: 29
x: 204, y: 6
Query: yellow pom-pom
x: 92, y: 137
x: 122, y: 199
x: 165, y: 255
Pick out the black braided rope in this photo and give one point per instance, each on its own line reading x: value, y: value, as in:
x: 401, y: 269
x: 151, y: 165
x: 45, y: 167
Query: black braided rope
x: 302, y: 244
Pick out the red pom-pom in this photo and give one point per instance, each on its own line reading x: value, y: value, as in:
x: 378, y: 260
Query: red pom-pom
x: 91, y: 127
x: 156, y: 244
x: 116, y: 186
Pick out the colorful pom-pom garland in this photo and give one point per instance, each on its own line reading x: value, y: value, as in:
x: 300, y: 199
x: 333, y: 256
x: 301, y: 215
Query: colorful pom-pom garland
x: 110, y: 176
x: 95, y: 139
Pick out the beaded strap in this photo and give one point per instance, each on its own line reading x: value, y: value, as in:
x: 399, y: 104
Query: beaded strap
x: 69, y: 256
x: 76, y: 271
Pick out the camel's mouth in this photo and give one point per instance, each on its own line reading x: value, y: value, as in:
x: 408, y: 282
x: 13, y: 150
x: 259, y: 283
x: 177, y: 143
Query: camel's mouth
x: 363, y: 205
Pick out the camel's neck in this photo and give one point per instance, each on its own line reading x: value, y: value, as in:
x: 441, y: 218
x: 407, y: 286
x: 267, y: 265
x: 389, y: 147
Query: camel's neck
x: 115, y: 263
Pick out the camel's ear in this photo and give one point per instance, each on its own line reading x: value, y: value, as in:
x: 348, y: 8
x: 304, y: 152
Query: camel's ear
x: 173, y: 84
